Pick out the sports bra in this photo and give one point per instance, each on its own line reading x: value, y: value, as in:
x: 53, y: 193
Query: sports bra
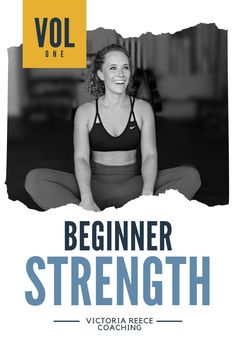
x: 101, y: 140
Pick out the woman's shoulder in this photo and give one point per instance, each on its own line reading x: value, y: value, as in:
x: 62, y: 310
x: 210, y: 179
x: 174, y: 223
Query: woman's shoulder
x: 85, y: 110
x: 86, y: 107
x: 142, y: 104
x: 143, y: 107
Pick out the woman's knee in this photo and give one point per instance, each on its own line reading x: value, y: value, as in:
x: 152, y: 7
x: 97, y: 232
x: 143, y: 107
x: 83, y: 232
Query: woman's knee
x: 192, y: 175
x: 33, y: 179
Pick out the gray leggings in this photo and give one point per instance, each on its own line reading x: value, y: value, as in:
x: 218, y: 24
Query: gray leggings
x: 110, y: 185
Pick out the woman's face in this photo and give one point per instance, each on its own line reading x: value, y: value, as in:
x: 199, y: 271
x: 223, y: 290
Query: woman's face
x: 115, y: 72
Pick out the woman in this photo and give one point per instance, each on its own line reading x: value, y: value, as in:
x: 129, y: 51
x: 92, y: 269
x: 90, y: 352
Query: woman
x: 107, y: 133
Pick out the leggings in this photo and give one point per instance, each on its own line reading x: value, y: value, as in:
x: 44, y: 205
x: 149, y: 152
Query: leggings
x: 110, y: 185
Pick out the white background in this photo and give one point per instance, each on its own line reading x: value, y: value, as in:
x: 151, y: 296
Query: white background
x: 197, y: 229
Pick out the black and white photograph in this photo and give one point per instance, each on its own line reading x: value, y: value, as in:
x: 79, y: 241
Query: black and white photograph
x: 148, y: 114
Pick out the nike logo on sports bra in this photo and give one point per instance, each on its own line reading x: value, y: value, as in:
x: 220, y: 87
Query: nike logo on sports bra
x: 101, y: 140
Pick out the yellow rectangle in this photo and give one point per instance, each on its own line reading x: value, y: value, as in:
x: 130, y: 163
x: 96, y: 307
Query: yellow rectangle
x: 54, y: 34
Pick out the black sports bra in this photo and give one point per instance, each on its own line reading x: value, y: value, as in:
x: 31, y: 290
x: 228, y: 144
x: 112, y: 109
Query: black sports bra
x: 101, y: 140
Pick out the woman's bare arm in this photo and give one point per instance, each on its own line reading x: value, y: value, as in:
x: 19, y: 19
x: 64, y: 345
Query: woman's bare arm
x: 82, y: 158
x: 148, y: 149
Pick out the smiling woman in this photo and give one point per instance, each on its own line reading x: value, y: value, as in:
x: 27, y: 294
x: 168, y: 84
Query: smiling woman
x: 107, y: 134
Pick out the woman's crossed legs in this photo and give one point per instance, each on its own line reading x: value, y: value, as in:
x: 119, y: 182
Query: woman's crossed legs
x: 53, y: 188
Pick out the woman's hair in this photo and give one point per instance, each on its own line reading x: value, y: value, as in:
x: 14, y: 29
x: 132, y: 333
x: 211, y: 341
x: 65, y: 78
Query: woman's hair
x: 96, y: 86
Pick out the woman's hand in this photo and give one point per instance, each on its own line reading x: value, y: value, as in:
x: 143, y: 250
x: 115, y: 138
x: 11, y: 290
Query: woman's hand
x: 88, y: 203
x: 146, y: 192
